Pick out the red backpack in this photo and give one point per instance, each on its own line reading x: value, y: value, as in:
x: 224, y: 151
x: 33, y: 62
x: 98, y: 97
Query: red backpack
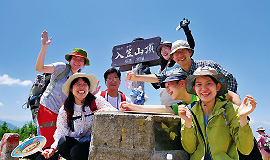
x: 123, y: 97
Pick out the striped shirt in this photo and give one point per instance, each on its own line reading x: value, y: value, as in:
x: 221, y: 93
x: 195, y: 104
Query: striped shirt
x: 231, y: 81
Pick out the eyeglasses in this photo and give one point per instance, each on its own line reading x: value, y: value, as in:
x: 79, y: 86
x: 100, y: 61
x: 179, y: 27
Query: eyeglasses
x: 180, y: 51
x: 112, y: 79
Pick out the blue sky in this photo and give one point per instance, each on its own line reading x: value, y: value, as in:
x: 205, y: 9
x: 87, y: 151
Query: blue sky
x: 234, y: 33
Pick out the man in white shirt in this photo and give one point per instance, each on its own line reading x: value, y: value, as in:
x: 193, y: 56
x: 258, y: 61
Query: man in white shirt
x: 112, y: 79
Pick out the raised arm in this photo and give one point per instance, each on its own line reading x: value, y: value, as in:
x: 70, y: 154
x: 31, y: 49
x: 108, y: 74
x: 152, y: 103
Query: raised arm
x: 45, y: 42
x: 184, y: 24
x: 245, y: 109
x: 234, y: 98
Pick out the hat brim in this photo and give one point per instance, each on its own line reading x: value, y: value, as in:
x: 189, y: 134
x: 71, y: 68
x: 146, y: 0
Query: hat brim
x: 68, y: 58
x: 92, y: 79
x: 219, y: 77
x: 182, y: 47
x: 169, y: 79
x: 262, y: 130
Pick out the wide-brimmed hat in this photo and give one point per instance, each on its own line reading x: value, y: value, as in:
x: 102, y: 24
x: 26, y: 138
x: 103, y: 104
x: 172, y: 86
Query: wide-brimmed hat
x: 180, y: 44
x: 165, y: 43
x: 80, y: 53
x: 206, y: 71
x: 260, y: 129
x: 92, y: 79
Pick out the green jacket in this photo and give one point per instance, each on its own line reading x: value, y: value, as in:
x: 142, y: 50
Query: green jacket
x: 224, y: 133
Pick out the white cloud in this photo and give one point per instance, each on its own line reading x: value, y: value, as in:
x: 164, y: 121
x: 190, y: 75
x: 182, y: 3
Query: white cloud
x: 1, y: 104
x: 5, y: 79
x: 265, y: 122
x: 254, y: 121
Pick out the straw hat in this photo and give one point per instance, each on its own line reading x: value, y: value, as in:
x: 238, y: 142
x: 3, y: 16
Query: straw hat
x: 92, y: 79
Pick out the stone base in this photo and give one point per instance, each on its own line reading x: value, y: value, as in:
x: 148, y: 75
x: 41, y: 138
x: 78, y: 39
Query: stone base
x: 125, y: 136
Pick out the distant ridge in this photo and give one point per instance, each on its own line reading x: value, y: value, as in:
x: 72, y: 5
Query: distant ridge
x: 11, y: 126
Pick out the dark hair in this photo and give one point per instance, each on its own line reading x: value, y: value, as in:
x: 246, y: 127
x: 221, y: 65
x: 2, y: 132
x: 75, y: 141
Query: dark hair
x: 213, y: 79
x: 69, y: 102
x: 112, y: 70
x: 164, y: 62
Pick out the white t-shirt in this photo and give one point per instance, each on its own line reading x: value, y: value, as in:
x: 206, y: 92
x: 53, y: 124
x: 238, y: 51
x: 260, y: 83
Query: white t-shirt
x: 113, y: 100
x: 166, y: 99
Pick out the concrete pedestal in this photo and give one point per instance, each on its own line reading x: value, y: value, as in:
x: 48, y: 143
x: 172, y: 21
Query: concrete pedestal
x: 125, y: 136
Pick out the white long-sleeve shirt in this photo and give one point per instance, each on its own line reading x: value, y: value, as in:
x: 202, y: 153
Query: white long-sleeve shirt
x: 82, y: 126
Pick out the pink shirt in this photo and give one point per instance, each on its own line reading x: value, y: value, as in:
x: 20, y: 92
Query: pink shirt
x: 261, y: 142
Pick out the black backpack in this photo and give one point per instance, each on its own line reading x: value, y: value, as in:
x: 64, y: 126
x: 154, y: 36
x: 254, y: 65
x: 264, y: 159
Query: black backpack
x: 266, y: 146
x: 38, y: 88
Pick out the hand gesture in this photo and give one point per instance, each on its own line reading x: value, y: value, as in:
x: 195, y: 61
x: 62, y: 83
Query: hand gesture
x: 247, y: 107
x: 47, y: 153
x: 184, y: 113
x: 45, y: 41
x: 130, y: 76
x: 184, y: 24
x: 97, y: 88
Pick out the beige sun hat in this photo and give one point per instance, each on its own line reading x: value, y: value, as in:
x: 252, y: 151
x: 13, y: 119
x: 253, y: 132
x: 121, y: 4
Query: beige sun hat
x: 260, y: 129
x: 180, y: 44
x: 92, y: 79
x: 206, y: 71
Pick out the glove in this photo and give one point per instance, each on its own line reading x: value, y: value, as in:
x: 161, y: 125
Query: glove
x: 184, y: 24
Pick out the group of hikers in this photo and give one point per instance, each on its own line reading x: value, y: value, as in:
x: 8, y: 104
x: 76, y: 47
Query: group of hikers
x: 214, y: 121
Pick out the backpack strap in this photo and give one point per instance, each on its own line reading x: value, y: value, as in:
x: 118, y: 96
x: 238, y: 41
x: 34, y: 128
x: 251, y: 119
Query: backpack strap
x: 123, y: 97
x: 102, y: 94
x: 59, y: 77
x: 199, y: 130
x: 93, y: 106
x: 192, y: 104
x: 70, y: 119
